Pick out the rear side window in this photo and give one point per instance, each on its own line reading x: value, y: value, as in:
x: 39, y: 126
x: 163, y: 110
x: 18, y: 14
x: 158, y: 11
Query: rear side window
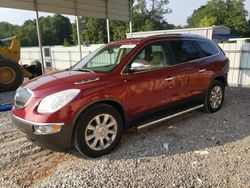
x: 207, y: 48
x: 184, y: 50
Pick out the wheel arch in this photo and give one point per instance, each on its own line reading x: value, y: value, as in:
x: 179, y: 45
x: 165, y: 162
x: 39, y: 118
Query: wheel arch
x: 222, y: 79
x: 111, y: 102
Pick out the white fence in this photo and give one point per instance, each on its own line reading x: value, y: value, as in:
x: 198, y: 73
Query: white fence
x: 64, y: 57
x: 58, y: 57
x: 239, y: 55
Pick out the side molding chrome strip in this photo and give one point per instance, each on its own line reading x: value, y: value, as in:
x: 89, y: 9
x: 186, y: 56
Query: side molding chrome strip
x: 169, y: 117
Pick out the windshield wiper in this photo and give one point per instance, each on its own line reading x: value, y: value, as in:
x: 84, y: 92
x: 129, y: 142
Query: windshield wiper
x: 85, y: 70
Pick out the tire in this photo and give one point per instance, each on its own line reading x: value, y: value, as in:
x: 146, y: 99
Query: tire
x: 13, y: 75
x: 216, y: 92
x: 88, y: 130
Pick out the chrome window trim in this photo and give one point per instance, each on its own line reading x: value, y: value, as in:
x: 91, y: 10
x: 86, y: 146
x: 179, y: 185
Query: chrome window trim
x: 162, y: 40
x: 27, y: 122
x: 32, y: 96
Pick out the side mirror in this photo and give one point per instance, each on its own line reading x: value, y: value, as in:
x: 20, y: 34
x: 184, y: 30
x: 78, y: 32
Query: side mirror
x: 139, y: 65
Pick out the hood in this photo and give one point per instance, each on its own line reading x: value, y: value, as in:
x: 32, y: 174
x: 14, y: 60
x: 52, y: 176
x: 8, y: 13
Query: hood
x: 55, y: 82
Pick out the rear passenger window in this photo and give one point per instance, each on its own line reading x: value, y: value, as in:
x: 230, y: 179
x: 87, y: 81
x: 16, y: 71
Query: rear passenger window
x: 184, y: 50
x: 207, y: 48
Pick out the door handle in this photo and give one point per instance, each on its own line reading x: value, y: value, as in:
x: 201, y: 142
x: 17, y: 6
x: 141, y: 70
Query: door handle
x: 169, y: 78
x: 202, y: 70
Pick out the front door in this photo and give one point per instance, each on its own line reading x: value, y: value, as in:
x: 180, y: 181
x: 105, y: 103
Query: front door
x: 149, y: 88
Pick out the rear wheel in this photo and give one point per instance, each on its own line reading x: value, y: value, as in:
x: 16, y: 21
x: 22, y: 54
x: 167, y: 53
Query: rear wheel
x: 98, y: 131
x: 215, y: 97
x: 11, y: 75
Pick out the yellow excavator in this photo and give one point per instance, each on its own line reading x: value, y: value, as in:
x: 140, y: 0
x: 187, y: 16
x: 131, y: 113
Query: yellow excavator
x: 11, y: 72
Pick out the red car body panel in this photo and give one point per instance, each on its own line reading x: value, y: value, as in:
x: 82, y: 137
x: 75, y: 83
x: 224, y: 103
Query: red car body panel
x: 135, y: 93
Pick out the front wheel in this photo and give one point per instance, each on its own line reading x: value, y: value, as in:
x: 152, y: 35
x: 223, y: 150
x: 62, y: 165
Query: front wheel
x: 98, y: 130
x: 215, y: 97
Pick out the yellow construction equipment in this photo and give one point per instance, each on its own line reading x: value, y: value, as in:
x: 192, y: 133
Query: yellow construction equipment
x: 11, y: 72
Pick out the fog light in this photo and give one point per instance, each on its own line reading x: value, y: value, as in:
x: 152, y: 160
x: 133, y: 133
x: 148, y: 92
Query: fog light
x: 46, y: 129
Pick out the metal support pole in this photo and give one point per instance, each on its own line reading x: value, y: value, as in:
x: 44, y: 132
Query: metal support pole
x: 130, y: 29
x: 130, y: 18
x: 107, y: 19
x: 39, y: 38
x: 108, y: 32
x: 79, y: 36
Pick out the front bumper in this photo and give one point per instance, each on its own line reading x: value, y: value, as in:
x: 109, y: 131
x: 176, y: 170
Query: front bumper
x: 56, y: 141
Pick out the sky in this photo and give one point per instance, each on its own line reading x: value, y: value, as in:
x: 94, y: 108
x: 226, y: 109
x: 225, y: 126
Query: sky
x: 182, y: 9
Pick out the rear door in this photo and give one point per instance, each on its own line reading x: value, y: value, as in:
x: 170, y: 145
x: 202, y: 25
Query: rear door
x: 186, y: 56
x: 205, y: 66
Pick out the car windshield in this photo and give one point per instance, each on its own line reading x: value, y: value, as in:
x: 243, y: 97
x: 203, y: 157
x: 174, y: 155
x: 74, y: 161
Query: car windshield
x: 104, y: 59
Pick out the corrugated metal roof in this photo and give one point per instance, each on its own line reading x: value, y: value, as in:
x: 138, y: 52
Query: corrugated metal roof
x: 113, y: 9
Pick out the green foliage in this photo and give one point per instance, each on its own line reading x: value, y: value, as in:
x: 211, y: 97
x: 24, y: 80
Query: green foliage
x: 146, y: 17
x: 66, y: 43
x: 62, y: 28
x: 57, y: 29
x: 27, y: 33
x: 54, y: 30
x: 74, y: 34
x: 230, y: 13
x: 206, y: 22
x: 94, y: 30
x: 7, y: 30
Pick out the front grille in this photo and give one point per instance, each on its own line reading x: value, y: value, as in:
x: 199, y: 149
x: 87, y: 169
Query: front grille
x: 22, y: 97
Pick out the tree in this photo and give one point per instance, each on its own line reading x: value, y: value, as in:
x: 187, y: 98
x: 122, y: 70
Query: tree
x: 27, y: 33
x: 94, y: 30
x: 206, y: 21
x: 230, y: 13
x: 146, y: 17
x: 151, y: 16
x: 236, y: 16
x: 62, y: 28
x: 7, y: 30
x: 48, y: 31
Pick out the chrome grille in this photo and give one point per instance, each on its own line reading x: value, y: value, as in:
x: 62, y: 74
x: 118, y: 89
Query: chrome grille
x: 22, y: 97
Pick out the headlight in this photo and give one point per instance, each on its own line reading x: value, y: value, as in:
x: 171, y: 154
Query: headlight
x: 56, y: 101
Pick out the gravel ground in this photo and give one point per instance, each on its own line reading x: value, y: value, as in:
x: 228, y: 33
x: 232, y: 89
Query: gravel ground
x: 204, y: 150
x: 7, y: 97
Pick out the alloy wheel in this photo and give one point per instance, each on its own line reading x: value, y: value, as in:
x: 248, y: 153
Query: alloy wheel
x: 216, y: 97
x: 101, y: 132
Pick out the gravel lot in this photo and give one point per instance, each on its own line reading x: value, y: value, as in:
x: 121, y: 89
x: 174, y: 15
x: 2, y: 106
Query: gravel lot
x: 205, y: 150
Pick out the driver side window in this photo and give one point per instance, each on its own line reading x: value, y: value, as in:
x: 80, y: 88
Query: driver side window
x: 152, y: 56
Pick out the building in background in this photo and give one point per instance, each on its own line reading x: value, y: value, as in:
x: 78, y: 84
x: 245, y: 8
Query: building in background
x: 216, y: 33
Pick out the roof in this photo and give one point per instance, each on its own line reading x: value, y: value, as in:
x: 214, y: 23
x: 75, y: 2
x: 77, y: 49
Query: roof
x: 155, y: 37
x: 174, y: 36
x: 112, y: 9
x: 185, y: 30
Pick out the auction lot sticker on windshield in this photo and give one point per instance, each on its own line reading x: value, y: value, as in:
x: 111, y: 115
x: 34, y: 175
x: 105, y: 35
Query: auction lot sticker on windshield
x: 128, y: 46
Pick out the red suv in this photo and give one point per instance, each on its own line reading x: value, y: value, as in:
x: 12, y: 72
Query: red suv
x: 137, y: 82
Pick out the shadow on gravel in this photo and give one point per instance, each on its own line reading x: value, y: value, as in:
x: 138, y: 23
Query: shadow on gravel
x: 192, y: 132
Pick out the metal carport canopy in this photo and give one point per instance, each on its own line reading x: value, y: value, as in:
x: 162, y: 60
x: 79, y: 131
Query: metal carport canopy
x: 111, y: 9
x: 107, y: 9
